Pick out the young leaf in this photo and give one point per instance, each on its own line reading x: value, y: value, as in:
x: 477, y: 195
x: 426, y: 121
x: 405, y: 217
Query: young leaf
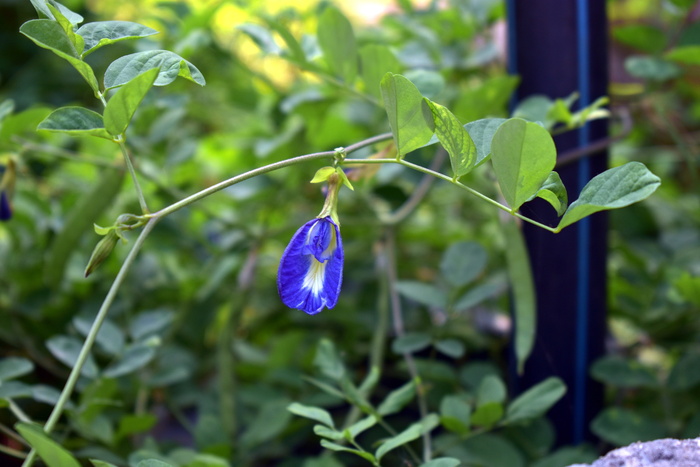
x: 523, y: 155
x: 409, y: 434
x: 171, y: 65
x: 337, y: 41
x: 325, y: 432
x: 339, y: 448
x: 488, y: 414
x: 314, y: 413
x: 554, y: 192
x: 377, y: 60
x: 14, y: 367
x: 52, y: 453
x: 101, y: 33
x: 614, y: 188
x: 122, y: 105
x: 50, y: 35
x: 360, y: 426
x: 453, y: 137
x: 75, y: 121
x: 405, y: 109
x: 523, y: 287
x: 397, y: 399
x: 536, y: 401
x: 455, y: 414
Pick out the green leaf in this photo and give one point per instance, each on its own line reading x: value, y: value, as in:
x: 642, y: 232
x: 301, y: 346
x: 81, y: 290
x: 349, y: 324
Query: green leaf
x: 150, y: 323
x: 491, y: 389
x: 523, y: 155
x: 481, y: 132
x: 534, y: 108
x: 337, y: 41
x: 52, y: 453
x: 314, y: 413
x: 329, y: 433
x: 98, y: 463
x: 50, y: 35
x: 687, y: 54
x: 328, y: 361
x: 15, y: 390
x: 488, y: 450
x: 405, y: 108
x: 377, y: 60
x: 442, y: 462
x: 135, y: 357
x: 66, y: 350
x: 536, y: 401
x: 567, y: 456
x: 409, y: 434
x: 370, y: 381
x: 411, y: 342
x: 80, y: 222
x: 453, y: 137
x: 130, y: 424
x: 268, y: 424
x: 463, y: 262
x: 339, y: 448
x: 110, y: 337
x: 554, y: 192
x: 262, y: 37
x: 14, y: 367
x: 171, y: 65
x: 429, y: 83
x: 153, y: 463
x: 455, y: 414
x: 42, y: 6
x: 361, y: 426
x: 642, y: 37
x: 688, y: 287
x: 621, y: 427
x: 75, y: 121
x: 686, y: 373
x: 487, y: 415
x: 123, y: 104
x: 101, y: 33
x: 295, y: 53
x: 651, y: 68
x: 623, y: 373
x: 450, y: 347
x: 614, y: 188
x: 523, y: 288
x: 397, y: 399
x: 425, y: 294
x: 67, y: 26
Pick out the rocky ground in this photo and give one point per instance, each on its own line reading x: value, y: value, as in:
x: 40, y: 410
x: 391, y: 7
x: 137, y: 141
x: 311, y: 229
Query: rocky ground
x: 658, y: 453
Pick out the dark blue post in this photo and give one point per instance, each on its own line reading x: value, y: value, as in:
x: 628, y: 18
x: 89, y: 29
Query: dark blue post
x: 557, y: 47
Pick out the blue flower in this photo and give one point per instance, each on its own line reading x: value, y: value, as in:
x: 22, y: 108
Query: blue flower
x: 311, y: 268
x: 5, y: 209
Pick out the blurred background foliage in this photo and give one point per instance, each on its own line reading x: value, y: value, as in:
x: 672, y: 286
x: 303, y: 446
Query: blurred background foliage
x: 199, y: 359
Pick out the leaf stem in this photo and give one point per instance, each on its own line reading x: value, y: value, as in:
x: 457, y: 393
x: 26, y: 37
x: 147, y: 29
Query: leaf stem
x: 92, y: 335
x: 130, y: 166
x: 420, y: 168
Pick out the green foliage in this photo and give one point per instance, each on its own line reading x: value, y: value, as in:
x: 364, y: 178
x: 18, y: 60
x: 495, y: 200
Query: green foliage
x: 191, y: 346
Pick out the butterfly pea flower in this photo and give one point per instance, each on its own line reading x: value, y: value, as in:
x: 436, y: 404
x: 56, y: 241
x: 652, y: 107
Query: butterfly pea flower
x: 311, y: 269
x: 7, y: 184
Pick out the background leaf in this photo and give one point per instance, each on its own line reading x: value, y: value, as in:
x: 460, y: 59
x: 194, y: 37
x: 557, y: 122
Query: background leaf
x: 337, y: 41
x: 536, y: 401
x: 49, y: 450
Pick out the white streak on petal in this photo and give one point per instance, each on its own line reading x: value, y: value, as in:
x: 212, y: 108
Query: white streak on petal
x: 314, y: 276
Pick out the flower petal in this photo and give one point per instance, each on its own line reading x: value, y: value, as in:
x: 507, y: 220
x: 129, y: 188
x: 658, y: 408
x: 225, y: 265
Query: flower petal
x: 311, y: 268
x: 5, y: 209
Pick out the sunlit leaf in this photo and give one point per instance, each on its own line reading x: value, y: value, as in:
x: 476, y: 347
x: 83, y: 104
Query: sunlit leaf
x: 75, y: 121
x: 171, y: 65
x: 123, y: 104
x: 454, y: 138
x: 405, y: 109
x: 101, y: 33
x: 377, y: 60
x: 314, y: 413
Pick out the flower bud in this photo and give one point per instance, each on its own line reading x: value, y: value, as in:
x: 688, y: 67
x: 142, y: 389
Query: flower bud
x: 102, y: 251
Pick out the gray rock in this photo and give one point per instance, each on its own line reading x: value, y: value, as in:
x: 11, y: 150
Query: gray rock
x: 659, y: 453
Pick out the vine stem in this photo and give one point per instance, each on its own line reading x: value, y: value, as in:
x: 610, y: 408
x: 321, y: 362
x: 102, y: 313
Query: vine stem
x: 92, y: 335
x: 483, y: 197
x: 151, y: 221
